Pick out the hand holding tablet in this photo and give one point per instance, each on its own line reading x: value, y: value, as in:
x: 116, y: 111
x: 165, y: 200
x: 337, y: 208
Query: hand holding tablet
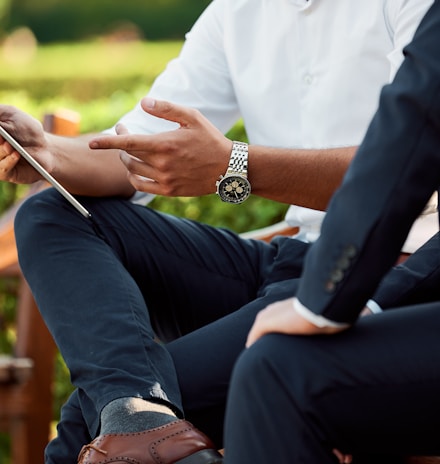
x: 39, y: 168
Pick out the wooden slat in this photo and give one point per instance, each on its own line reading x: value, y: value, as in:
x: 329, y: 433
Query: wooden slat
x: 15, y: 370
x: 62, y: 122
x: 8, y: 256
x: 269, y: 232
x: 423, y: 460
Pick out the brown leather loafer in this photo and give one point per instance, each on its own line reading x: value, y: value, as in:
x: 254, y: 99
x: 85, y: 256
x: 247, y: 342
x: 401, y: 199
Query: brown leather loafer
x: 176, y: 443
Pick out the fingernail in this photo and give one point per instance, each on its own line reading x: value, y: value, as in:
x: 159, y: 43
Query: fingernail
x: 120, y: 129
x: 149, y: 102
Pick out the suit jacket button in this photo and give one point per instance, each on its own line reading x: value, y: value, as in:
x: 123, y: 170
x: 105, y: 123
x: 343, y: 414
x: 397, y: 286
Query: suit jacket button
x: 343, y: 263
x: 350, y: 251
x: 336, y: 276
x: 330, y: 286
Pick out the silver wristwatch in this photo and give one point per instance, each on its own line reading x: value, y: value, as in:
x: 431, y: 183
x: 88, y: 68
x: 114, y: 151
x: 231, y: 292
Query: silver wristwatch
x: 234, y: 186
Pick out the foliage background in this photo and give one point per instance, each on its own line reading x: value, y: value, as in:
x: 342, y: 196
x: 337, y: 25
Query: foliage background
x: 73, y: 20
x: 83, y: 56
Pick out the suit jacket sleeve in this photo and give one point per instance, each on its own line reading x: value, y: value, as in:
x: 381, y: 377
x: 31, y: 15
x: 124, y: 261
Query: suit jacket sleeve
x: 394, y: 173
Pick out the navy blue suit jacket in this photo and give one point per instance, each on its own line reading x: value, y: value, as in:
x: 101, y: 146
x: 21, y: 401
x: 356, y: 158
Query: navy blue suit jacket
x: 394, y: 173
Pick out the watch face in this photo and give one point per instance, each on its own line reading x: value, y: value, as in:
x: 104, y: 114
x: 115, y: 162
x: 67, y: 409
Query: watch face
x: 234, y: 189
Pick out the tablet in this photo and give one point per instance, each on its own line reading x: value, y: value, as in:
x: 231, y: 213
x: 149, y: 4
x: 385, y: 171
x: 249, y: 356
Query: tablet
x: 37, y: 166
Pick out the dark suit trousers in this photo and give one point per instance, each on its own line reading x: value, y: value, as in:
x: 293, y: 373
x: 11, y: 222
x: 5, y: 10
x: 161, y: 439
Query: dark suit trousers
x: 372, y: 391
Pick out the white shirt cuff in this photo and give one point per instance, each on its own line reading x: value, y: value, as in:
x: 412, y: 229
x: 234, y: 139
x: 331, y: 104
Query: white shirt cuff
x: 373, y: 307
x: 315, y: 319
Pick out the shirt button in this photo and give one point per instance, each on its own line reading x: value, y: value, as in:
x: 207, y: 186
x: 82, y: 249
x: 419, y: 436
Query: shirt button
x: 308, y: 79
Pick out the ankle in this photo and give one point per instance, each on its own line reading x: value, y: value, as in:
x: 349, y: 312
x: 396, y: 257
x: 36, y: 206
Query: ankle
x: 131, y: 414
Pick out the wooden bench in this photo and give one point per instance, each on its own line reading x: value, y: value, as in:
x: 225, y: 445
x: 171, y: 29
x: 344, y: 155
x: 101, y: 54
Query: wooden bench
x: 423, y: 460
x: 26, y: 377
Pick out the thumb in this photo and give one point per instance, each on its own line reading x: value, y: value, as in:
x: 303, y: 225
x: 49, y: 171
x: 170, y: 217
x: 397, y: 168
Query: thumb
x: 121, y: 129
x: 171, y: 112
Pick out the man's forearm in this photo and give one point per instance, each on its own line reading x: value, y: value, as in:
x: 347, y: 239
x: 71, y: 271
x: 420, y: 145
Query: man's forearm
x: 88, y: 172
x: 295, y: 176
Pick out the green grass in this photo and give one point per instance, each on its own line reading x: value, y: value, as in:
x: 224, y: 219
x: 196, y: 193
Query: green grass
x: 98, y: 59
x: 100, y: 80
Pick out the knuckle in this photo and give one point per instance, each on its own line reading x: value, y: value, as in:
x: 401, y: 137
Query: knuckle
x: 167, y: 146
x: 195, y: 114
x: 168, y: 185
x: 170, y: 191
x: 129, y: 143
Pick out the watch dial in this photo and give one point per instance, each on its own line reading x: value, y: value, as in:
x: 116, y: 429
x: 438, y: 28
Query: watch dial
x: 234, y: 189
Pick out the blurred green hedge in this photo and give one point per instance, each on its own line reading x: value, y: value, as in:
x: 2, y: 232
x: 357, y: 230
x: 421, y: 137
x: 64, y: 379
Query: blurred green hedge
x: 68, y: 20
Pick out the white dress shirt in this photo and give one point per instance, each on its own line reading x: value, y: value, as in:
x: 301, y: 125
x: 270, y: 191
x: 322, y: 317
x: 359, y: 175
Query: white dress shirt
x: 301, y: 73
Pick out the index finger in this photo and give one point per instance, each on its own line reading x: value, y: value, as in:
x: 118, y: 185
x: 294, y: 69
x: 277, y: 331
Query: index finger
x: 126, y: 142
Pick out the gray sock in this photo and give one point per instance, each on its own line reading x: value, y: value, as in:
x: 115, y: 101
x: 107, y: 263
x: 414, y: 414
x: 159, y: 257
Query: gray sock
x: 129, y: 415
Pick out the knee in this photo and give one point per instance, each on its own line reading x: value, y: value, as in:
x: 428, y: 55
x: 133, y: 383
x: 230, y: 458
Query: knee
x: 36, y: 221
x: 277, y: 363
x: 252, y: 364
x: 258, y: 367
x: 43, y: 207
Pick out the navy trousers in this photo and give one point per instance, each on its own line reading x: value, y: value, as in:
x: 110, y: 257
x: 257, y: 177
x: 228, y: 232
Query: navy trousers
x: 372, y: 391
x: 109, y: 287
